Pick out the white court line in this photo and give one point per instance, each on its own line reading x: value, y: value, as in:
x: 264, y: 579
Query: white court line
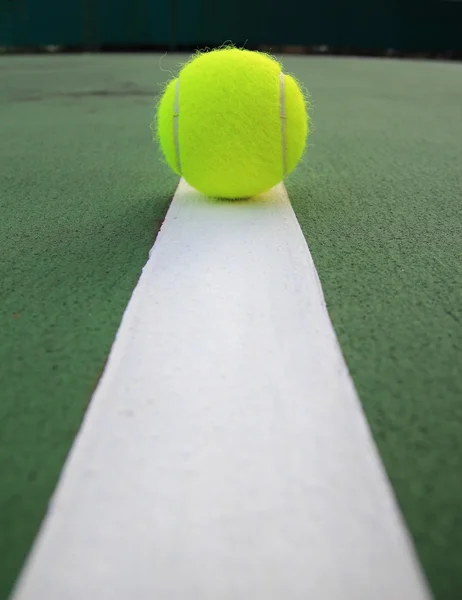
x: 225, y: 455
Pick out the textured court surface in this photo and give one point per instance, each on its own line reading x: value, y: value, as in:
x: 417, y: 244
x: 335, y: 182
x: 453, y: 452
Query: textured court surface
x: 379, y: 199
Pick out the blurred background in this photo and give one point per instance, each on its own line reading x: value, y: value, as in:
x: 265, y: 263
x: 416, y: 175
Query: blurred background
x: 430, y: 28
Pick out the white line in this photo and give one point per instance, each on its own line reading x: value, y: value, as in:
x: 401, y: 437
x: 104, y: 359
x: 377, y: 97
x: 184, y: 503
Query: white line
x: 225, y: 455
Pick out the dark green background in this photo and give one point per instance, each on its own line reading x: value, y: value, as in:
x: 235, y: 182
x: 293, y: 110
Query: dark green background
x: 403, y: 25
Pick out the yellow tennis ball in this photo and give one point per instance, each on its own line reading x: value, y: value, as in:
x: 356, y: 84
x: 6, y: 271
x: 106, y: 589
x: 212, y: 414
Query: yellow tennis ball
x: 232, y: 124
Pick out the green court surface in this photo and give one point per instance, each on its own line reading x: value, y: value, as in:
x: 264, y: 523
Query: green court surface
x: 379, y: 198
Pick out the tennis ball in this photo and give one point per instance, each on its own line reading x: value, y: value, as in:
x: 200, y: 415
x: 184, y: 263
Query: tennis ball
x: 232, y: 124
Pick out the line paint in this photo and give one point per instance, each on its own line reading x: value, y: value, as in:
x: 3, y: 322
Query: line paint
x: 225, y: 454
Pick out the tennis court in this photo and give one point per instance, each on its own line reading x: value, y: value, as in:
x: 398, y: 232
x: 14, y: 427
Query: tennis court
x: 378, y: 196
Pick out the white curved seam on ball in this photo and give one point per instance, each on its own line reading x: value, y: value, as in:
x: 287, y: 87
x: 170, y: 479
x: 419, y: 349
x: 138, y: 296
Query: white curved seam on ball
x: 176, y: 116
x: 282, y: 113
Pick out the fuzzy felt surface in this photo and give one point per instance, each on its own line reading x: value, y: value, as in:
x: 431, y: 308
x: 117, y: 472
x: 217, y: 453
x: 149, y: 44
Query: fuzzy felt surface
x: 230, y: 140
